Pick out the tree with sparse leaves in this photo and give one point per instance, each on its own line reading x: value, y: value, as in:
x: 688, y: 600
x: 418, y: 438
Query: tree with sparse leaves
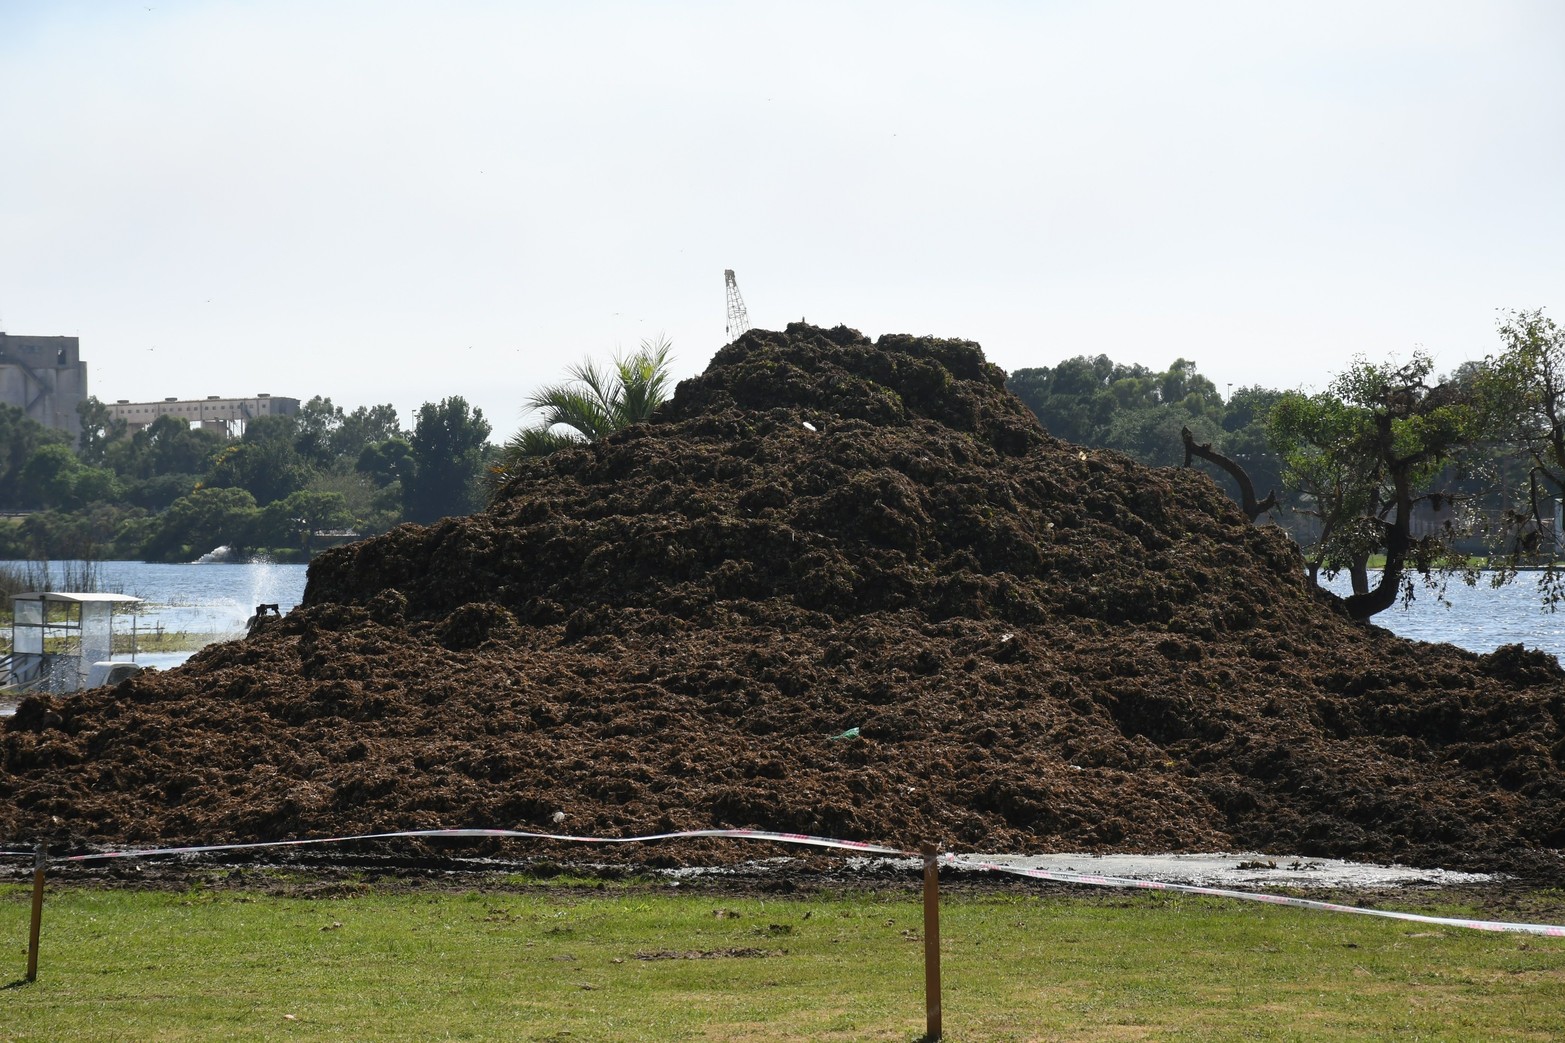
x: 1367, y: 451
x: 1527, y: 379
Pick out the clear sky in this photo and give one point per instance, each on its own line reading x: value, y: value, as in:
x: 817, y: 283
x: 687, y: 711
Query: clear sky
x: 385, y: 201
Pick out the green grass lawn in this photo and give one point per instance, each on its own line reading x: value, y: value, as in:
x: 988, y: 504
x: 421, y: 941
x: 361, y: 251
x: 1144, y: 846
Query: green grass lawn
x: 646, y: 963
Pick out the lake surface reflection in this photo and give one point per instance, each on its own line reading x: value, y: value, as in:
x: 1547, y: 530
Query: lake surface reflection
x: 1479, y: 619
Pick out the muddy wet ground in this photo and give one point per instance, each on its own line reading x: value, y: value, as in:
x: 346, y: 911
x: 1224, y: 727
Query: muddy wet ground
x: 329, y: 876
x: 839, y: 588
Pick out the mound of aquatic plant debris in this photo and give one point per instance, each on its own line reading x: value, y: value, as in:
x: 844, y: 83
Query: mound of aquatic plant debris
x: 835, y: 587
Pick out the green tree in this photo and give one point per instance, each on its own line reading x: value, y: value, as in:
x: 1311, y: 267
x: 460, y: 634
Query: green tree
x: 1074, y: 400
x: 48, y: 534
x: 1144, y: 414
x: 99, y: 430
x: 293, y: 520
x: 327, y: 438
x: 1139, y: 411
x: 20, y: 437
x: 1152, y: 435
x: 315, y: 426
x: 1528, y: 378
x: 54, y: 477
x: 264, y: 462
x: 93, y: 531
x: 365, y: 426
x: 201, y: 522
x: 372, y: 509
x: 48, y: 477
x: 131, y: 533
x: 1369, y: 450
x: 168, y: 445
x: 156, y: 493
x: 386, y: 462
x: 447, y: 457
x: 595, y: 402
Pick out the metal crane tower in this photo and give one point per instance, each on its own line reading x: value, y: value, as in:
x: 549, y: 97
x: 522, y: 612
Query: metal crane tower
x: 738, y: 317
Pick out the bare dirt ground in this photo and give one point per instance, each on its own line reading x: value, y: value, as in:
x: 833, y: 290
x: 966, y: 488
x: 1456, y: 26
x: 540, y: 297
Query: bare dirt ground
x: 1040, y: 647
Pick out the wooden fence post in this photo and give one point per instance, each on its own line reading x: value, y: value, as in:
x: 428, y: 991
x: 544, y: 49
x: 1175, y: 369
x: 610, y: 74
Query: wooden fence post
x: 40, y: 863
x: 932, y: 1031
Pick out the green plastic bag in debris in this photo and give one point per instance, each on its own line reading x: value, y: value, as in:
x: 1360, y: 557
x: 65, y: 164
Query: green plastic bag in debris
x: 851, y: 733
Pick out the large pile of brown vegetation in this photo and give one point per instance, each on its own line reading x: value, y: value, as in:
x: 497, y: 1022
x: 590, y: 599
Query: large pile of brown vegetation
x: 1040, y: 647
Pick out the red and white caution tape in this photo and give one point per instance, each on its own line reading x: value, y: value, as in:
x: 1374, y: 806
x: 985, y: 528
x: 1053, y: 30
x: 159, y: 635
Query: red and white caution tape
x: 734, y: 834
x: 857, y: 846
x: 1551, y: 930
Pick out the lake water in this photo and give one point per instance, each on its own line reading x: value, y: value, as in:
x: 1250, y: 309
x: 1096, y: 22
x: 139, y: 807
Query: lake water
x: 1479, y: 619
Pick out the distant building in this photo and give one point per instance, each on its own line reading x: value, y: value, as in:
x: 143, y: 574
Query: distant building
x: 227, y: 416
x: 45, y: 378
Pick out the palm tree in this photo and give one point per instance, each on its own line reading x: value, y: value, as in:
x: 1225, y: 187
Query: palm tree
x: 596, y: 401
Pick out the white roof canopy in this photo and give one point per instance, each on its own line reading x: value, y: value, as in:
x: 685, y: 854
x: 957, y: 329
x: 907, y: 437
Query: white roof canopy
x: 77, y: 599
